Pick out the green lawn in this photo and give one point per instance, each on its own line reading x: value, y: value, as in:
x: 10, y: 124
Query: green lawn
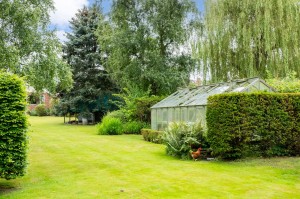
x: 74, y: 162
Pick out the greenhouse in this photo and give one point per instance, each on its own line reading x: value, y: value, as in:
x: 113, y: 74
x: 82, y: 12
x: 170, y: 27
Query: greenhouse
x: 189, y: 104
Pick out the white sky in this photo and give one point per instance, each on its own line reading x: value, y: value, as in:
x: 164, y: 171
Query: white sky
x: 65, y: 10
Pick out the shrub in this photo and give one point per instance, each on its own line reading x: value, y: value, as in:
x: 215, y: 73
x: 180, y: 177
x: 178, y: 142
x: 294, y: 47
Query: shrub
x: 32, y: 113
x: 289, y: 84
x: 259, y: 124
x: 133, y: 127
x: 181, y: 137
x: 109, y: 126
x: 13, y: 126
x: 152, y: 135
x: 41, y: 110
x: 118, y: 114
x: 135, y: 104
x: 143, y: 107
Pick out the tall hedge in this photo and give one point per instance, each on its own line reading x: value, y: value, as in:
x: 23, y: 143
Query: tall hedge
x: 257, y: 124
x: 13, y: 126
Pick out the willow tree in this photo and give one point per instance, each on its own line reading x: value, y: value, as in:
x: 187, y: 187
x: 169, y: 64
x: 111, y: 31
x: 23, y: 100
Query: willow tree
x: 249, y: 38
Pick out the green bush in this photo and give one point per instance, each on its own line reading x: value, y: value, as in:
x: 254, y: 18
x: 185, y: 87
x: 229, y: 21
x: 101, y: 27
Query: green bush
x: 289, y: 84
x: 32, y: 113
x: 13, y: 126
x: 41, y: 110
x: 257, y: 124
x: 154, y: 136
x: 181, y: 137
x: 118, y: 114
x: 133, y: 127
x: 109, y: 126
x: 143, y: 107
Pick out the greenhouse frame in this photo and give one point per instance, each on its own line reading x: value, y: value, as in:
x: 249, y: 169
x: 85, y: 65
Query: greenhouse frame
x: 189, y: 104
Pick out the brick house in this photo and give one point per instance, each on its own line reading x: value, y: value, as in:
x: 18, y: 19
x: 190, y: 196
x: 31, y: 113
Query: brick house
x: 34, y: 98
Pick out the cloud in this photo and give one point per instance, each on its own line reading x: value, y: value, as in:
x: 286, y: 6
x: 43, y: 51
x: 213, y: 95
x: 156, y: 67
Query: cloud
x: 61, y: 34
x: 64, y: 11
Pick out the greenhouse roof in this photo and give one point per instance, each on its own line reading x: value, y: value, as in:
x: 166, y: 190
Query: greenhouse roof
x: 198, y: 96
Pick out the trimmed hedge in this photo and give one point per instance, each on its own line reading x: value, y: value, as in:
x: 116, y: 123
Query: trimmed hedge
x: 13, y: 126
x: 256, y: 124
x: 150, y: 135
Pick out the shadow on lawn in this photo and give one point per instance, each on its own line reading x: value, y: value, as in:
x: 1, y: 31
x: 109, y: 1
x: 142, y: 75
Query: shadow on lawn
x: 6, y: 188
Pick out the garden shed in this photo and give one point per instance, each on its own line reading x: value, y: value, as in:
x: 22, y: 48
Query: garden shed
x: 189, y: 104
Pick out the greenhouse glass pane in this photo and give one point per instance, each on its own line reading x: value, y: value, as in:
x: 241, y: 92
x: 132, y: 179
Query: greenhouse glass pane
x: 192, y: 114
x: 238, y: 89
x: 263, y: 87
x: 177, y: 114
x: 201, y: 115
x: 173, y: 115
x: 165, y: 115
x: 184, y: 114
x: 153, y: 119
x: 170, y: 114
x: 252, y: 89
x: 256, y: 85
x: 159, y: 115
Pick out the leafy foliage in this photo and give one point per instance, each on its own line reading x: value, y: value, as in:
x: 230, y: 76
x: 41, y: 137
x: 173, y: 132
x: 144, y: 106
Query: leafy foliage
x: 28, y: 48
x: 93, y: 88
x: 250, y: 37
x: 140, y: 40
x: 133, y: 127
x: 152, y: 135
x: 289, y: 84
x: 143, y: 107
x: 118, y: 114
x: 13, y: 126
x: 41, y: 110
x: 181, y: 137
x: 135, y: 104
x: 110, y: 126
x: 127, y: 102
x: 260, y: 124
x: 32, y: 113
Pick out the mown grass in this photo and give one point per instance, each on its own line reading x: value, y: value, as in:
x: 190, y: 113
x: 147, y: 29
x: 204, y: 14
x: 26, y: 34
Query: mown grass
x: 68, y: 161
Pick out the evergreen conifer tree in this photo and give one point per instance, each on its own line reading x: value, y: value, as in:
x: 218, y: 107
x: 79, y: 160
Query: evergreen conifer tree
x: 92, y: 86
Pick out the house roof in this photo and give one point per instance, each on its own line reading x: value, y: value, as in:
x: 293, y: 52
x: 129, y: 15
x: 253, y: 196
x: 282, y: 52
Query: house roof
x: 198, y: 96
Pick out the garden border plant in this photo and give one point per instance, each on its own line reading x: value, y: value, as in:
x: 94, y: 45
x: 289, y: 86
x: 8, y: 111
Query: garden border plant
x: 151, y: 135
x: 181, y: 137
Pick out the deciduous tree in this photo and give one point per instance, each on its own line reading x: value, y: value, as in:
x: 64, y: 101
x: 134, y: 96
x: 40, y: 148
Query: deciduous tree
x: 142, y: 41
x: 28, y: 48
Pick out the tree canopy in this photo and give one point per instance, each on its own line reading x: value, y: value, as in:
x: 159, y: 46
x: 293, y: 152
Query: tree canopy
x: 28, y: 48
x: 249, y: 38
x: 141, y: 42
